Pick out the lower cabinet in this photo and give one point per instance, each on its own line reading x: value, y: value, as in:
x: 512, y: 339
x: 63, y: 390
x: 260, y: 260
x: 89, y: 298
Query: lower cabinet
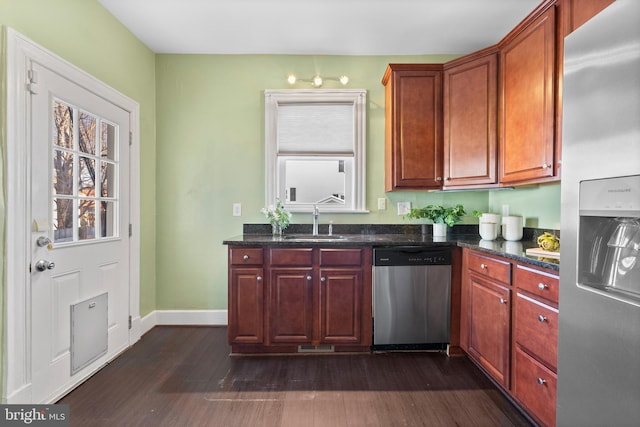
x: 306, y: 296
x: 489, y: 325
x: 509, y: 327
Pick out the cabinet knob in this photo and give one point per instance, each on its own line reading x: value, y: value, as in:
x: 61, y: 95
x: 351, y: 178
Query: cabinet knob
x: 309, y: 277
x: 483, y: 266
x: 246, y: 257
x: 542, y: 286
x: 541, y: 381
x: 259, y: 278
x: 503, y: 301
x: 438, y: 178
x: 545, y: 166
x: 323, y: 279
x: 541, y: 318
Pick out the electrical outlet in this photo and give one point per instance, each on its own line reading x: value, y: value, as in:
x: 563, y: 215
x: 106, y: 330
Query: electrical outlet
x: 382, y: 204
x: 404, y: 208
x: 237, y: 209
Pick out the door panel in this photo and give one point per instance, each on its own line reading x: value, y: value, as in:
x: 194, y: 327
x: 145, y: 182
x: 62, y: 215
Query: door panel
x: 80, y: 203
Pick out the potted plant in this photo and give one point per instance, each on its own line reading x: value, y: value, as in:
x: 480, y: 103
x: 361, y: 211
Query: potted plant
x: 440, y: 216
x: 278, y: 217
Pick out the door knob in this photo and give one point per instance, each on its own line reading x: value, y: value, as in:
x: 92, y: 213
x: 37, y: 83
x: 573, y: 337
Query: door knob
x: 43, y: 265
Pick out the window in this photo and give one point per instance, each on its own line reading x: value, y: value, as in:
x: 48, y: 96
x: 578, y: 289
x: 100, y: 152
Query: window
x: 315, y: 149
x: 84, y: 159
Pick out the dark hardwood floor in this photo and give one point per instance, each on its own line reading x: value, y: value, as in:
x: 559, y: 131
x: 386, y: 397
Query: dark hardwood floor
x: 184, y: 376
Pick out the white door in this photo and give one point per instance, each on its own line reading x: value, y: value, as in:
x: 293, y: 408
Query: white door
x: 80, y: 232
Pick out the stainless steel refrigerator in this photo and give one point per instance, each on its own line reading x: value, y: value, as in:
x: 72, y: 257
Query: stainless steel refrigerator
x: 599, y: 308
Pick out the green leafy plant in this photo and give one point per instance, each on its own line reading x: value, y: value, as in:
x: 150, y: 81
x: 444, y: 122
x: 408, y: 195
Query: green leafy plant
x: 477, y: 213
x: 278, y: 215
x: 438, y: 214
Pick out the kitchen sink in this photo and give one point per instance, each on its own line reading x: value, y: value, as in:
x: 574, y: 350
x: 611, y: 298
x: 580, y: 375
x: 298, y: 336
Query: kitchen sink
x: 312, y: 238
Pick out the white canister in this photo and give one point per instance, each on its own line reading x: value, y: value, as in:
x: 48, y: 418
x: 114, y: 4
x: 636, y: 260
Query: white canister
x: 488, y: 230
x: 512, y: 227
x: 491, y: 217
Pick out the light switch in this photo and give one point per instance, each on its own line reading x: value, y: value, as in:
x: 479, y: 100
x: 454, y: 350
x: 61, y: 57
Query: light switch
x: 382, y: 204
x: 237, y: 209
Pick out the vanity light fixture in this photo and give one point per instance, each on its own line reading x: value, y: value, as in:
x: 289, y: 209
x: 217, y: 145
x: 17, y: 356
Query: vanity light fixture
x: 317, y: 81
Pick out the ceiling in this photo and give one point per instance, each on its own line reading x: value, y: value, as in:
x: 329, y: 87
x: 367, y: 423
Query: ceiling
x: 319, y: 27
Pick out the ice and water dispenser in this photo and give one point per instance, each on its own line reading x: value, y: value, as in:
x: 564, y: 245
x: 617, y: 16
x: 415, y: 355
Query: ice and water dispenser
x: 609, y: 237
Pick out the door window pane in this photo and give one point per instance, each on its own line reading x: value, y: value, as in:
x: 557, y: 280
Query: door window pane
x: 107, y: 141
x: 86, y: 183
x: 107, y: 219
x: 62, y: 220
x: 86, y: 219
x: 62, y: 172
x: 87, y: 133
x: 107, y: 176
x: 63, y: 125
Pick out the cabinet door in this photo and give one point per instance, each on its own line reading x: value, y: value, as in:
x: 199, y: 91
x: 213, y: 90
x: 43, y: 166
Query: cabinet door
x: 340, y: 305
x: 490, y: 328
x: 246, y: 306
x: 413, y: 129
x: 290, y: 308
x: 527, y: 104
x: 470, y: 121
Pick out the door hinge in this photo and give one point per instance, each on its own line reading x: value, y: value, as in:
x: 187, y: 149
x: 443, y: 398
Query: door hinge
x: 130, y: 138
x: 130, y: 321
x: 32, y: 85
x: 130, y: 230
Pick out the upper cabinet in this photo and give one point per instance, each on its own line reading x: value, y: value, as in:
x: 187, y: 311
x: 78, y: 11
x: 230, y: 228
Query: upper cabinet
x: 470, y: 120
x: 491, y: 118
x: 527, y: 100
x: 413, y: 126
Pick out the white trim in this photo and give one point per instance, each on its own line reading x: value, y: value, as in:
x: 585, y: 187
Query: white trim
x: 273, y: 98
x: 183, y: 317
x: 20, y: 52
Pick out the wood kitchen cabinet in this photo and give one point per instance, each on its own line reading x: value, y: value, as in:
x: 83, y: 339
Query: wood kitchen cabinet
x: 528, y: 100
x: 413, y: 126
x: 310, y: 296
x: 509, y: 327
x: 470, y: 104
x: 246, y: 294
x: 536, y: 342
x: 489, y: 314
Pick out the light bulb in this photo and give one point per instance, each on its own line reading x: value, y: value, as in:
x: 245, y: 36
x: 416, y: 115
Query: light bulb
x: 344, y: 80
x: 291, y: 79
x: 317, y: 81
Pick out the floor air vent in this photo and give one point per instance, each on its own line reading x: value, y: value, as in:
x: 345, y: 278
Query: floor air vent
x: 323, y: 348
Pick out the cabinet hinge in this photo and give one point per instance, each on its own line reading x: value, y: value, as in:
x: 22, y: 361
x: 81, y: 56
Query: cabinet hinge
x: 130, y: 230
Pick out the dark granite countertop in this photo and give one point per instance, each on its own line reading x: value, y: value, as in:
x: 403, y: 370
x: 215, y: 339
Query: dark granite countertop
x: 403, y: 235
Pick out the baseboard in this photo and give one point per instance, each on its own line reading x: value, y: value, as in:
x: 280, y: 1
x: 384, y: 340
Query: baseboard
x: 183, y: 317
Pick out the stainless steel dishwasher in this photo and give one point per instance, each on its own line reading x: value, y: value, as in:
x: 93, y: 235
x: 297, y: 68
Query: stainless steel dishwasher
x: 411, y: 298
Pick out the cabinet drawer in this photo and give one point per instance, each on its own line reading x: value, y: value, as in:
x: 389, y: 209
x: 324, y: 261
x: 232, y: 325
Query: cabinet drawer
x: 537, y: 282
x: 341, y: 256
x: 535, y: 388
x: 536, y: 329
x: 490, y: 267
x: 291, y: 256
x: 245, y: 256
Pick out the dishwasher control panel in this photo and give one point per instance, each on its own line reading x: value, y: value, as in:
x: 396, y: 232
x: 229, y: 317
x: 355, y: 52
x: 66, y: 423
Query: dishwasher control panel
x: 411, y: 255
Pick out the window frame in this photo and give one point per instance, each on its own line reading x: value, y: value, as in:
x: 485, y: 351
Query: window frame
x: 274, y: 183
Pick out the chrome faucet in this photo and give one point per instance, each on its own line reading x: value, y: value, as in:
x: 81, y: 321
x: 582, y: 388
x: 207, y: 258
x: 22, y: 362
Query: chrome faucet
x: 316, y: 212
